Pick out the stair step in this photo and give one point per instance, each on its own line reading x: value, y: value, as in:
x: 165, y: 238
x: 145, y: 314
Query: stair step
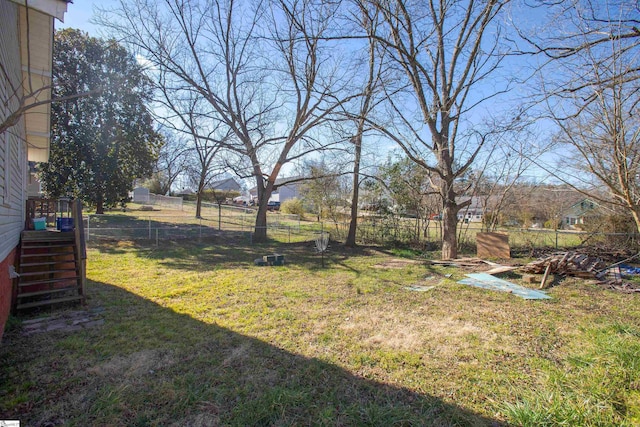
x: 53, y: 245
x: 35, y: 264
x: 46, y: 236
x: 40, y: 273
x: 48, y: 302
x: 47, y: 254
x: 47, y: 292
x: 48, y: 281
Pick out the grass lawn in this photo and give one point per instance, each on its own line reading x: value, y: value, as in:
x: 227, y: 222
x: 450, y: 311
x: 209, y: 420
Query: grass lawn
x: 195, y: 335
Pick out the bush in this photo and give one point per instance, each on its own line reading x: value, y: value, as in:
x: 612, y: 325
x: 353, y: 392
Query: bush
x: 292, y: 206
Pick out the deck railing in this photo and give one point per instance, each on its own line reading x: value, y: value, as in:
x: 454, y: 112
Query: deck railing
x: 54, y: 209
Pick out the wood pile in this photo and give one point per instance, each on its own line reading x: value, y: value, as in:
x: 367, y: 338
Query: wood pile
x: 606, y: 253
x: 567, y: 264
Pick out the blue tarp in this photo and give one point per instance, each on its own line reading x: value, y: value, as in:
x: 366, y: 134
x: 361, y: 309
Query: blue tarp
x: 487, y: 281
x: 629, y: 270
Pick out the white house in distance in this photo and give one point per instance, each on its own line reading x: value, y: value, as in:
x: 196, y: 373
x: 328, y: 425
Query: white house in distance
x: 580, y: 213
x: 283, y: 191
x: 228, y: 184
x: 26, y: 56
x: 472, y: 213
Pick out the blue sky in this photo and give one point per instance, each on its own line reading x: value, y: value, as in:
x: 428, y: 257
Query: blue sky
x: 79, y: 14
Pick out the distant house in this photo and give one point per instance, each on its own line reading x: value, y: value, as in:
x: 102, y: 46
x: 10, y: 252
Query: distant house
x: 228, y: 184
x: 282, y: 192
x: 474, y: 212
x: 579, y: 213
x: 26, y: 55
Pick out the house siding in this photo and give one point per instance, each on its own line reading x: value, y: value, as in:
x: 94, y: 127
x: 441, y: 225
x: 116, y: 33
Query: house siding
x: 13, y: 155
x: 13, y: 164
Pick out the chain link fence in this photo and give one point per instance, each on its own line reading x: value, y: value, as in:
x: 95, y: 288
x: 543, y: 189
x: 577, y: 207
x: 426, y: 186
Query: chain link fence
x: 234, y: 223
x: 237, y: 223
x: 408, y: 232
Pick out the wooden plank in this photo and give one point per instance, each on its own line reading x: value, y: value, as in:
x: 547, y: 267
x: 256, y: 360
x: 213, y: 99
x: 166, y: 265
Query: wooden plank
x: 43, y: 272
x: 47, y: 236
x: 49, y: 302
x: 544, y: 278
x: 48, y: 281
x: 47, y: 292
x: 501, y: 269
x: 493, y: 245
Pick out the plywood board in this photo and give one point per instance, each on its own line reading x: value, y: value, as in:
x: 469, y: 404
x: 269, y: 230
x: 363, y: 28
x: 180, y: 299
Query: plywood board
x: 493, y: 245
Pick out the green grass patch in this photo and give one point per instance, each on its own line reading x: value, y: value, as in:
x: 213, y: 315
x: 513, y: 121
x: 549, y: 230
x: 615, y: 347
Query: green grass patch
x: 596, y: 385
x: 195, y: 334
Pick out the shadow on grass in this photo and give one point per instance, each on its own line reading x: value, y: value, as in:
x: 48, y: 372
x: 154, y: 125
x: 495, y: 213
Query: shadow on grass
x: 149, y: 365
x: 211, y: 253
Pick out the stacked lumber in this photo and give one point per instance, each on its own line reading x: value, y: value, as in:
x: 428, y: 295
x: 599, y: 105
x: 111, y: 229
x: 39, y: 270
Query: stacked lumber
x: 567, y: 264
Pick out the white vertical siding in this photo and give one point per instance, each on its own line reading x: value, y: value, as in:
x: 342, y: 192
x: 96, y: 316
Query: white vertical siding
x: 12, y: 142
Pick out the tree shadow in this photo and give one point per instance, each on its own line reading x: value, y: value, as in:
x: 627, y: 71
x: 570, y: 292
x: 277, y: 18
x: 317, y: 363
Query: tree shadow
x: 209, y: 253
x: 149, y: 365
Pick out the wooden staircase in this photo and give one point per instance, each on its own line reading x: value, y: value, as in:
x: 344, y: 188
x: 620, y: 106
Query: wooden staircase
x: 51, y: 267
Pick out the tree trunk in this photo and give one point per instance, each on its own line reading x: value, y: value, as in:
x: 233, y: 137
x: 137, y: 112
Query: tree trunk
x: 100, y: 206
x: 635, y: 212
x: 264, y: 193
x: 201, y: 185
x: 199, y: 204
x: 353, y: 224
x: 260, y: 231
x: 449, y: 231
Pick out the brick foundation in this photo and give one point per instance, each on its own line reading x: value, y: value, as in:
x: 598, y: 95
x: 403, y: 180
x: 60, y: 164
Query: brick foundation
x: 6, y: 289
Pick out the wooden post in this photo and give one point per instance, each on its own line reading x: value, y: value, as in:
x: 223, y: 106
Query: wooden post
x: 80, y: 246
x: 546, y: 274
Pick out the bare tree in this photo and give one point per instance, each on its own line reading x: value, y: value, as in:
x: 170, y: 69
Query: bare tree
x: 592, y: 91
x: 372, y: 69
x: 261, y: 67
x: 514, y: 150
x: 208, y: 139
x: 409, y: 186
x: 325, y: 191
x: 172, y: 161
x: 24, y: 99
x: 441, y: 50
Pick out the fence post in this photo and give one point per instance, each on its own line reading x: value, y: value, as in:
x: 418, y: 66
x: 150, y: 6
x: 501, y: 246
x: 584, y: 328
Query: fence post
x: 200, y: 228
x: 219, y: 216
x: 88, y: 226
x: 149, y: 228
x: 556, y: 238
x: 157, y: 237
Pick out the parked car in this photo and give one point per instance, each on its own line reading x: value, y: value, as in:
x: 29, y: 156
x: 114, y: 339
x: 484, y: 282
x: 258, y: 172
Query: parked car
x: 273, y: 206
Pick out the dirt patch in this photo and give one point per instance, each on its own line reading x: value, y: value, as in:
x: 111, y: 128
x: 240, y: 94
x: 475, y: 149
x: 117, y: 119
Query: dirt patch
x: 445, y: 335
x: 397, y: 338
x: 397, y: 263
x: 143, y: 362
x: 237, y: 356
x: 67, y: 321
